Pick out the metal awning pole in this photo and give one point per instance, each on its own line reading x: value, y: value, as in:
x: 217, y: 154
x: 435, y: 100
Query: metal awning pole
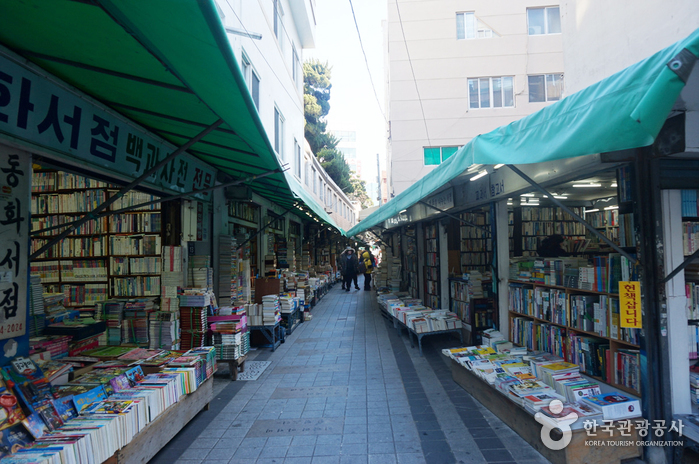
x: 161, y: 200
x: 681, y: 267
x: 128, y: 188
x: 582, y: 221
x: 266, y: 225
x: 457, y: 218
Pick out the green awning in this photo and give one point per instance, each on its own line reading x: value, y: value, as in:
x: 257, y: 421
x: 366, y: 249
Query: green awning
x: 624, y: 111
x: 166, y: 65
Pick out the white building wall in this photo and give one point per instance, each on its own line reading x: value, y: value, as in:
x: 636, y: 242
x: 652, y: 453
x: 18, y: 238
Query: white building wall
x: 272, y: 59
x: 442, y: 66
x: 605, y: 37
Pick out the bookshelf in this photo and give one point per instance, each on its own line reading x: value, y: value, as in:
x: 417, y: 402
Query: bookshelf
x: 605, y: 221
x: 431, y: 268
x: 580, y: 325
x: 117, y: 256
x: 476, y: 243
x: 690, y: 244
x: 476, y: 309
x: 411, y: 262
x: 532, y: 224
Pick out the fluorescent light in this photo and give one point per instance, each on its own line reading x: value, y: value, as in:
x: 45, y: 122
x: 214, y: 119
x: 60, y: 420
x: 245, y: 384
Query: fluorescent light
x: 404, y: 211
x: 479, y: 175
x: 498, y: 166
x: 560, y: 197
x: 614, y: 185
x: 587, y: 185
x: 527, y: 195
x: 510, y: 199
x: 612, y: 207
x: 591, y: 210
x: 509, y: 203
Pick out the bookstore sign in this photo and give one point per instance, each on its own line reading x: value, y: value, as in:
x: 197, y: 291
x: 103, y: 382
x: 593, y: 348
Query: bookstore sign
x: 630, y: 305
x: 40, y: 111
x: 15, y: 181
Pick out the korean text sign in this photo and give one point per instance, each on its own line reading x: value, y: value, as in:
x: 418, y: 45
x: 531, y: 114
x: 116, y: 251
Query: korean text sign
x: 45, y: 113
x: 630, y: 305
x: 15, y: 186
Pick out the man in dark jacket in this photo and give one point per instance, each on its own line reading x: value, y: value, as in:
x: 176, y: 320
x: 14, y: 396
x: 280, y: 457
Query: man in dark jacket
x: 349, y: 268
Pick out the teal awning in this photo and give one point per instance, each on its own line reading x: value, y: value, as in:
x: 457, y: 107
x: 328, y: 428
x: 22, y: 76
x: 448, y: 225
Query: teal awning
x: 624, y: 111
x: 166, y: 65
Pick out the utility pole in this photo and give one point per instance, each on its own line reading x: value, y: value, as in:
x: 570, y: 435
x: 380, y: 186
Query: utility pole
x: 378, y: 176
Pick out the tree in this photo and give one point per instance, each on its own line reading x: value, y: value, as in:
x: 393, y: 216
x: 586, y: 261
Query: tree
x: 359, y: 191
x: 316, y: 102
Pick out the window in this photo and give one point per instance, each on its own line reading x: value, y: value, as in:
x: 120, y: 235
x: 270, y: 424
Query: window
x: 545, y: 87
x: 315, y: 179
x: 307, y: 175
x: 468, y: 26
x: 322, y: 189
x: 278, y: 21
x: 436, y: 155
x: 487, y: 92
x: 297, y: 159
x: 296, y: 66
x: 278, y: 133
x: 252, y: 80
x: 544, y: 20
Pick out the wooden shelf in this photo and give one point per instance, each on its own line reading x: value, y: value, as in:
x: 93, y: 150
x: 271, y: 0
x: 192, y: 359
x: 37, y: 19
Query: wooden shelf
x: 557, y: 287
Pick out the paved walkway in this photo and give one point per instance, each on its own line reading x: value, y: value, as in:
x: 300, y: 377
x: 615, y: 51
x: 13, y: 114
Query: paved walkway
x: 347, y: 388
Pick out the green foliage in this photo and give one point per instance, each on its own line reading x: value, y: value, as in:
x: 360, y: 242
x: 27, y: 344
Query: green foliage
x: 359, y: 191
x: 316, y: 102
x: 335, y: 165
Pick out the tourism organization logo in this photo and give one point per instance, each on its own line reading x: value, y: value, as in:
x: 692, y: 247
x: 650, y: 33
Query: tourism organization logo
x: 563, y: 423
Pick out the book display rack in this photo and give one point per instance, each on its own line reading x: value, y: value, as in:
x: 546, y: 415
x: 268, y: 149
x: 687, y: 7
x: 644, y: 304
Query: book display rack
x: 431, y: 268
x: 476, y: 242
x: 117, y: 256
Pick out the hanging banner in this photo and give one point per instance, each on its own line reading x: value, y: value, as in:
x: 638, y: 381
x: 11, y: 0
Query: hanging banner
x: 15, y: 188
x: 42, y: 112
x: 630, y: 305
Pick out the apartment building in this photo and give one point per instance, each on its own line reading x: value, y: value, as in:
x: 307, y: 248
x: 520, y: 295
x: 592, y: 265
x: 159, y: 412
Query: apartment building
x: 268, y: 38
x: 459, y: 69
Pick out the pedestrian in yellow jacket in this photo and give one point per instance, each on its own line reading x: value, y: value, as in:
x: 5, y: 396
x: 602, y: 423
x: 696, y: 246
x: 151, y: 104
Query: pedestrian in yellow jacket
x: 368, y: 262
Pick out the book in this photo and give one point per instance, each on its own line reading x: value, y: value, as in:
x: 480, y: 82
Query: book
x: 35, y: 425
x: 614, y: 405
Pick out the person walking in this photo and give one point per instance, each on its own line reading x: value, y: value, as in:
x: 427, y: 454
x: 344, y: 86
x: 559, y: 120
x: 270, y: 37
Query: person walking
x: 349, y: 269
x: 368, y: 266
x: 340, y: 262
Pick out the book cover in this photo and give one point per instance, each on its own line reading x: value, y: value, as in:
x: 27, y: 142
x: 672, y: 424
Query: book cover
x: 35, y: 425
x: 13, y: 439
x: 65, y: 408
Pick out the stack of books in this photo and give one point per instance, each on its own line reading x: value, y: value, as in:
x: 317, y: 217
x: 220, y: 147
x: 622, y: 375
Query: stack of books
x: 193, y: 322
x: 37, y: 316
x: 271, y: 314
x: 113, y: 314
x: 164, y: 330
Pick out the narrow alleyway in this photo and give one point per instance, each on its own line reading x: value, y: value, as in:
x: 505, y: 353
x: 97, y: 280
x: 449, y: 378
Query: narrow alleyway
x: 347, y: 388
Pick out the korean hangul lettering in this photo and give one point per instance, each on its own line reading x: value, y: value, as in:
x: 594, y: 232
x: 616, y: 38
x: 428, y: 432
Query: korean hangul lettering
x: 677, y: 426
x: 642, y: 427
x: 104, y: 142
x: 134, y: 150
x: 590, y: 427
x: 624, y: 428
x: 152, y: 156
x: 9, y: 301
x: 12, y: 171
x: 51, y: 120
x: 5, y: 94
x: 608, y: 427
x: 13, y: 214
x: 12, y: 258
x: 659, y: 427
x: 182, y: 173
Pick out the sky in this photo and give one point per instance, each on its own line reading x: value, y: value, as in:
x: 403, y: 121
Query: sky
x: 352, y: 101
